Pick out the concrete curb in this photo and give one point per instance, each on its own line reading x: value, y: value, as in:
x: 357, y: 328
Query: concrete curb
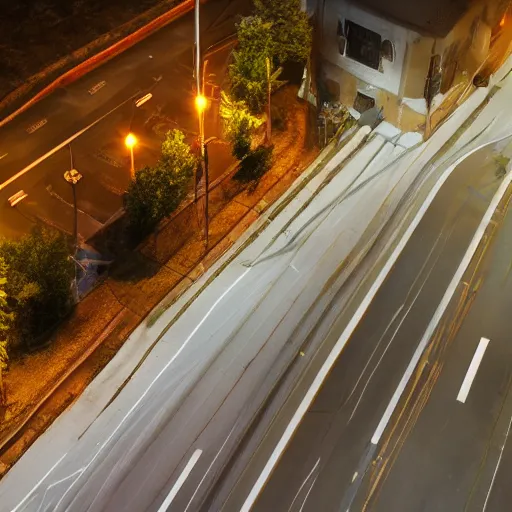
x: 96, y: 60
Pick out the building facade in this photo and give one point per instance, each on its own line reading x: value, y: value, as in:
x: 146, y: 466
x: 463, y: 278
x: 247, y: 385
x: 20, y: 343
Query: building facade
x: 410, y: 61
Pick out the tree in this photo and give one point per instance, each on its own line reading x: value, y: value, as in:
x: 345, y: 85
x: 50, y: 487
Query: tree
x: 6, y: 318
x: 39, y: 284
x: 178, y: 159
x: 157, y: 191
x: 248, y: 72
x: 290, y: 30
x: 238, y: 124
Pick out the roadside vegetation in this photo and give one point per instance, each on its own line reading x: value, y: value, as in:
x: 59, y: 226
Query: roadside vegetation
x: 157, y: 191
x: 35, y: 290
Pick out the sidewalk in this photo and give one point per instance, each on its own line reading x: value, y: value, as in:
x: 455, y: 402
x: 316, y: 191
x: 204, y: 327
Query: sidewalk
x: 308, y: 214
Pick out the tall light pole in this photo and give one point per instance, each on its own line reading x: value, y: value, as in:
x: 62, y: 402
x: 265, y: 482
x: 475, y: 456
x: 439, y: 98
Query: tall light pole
x: 130, y: 143
x: 198, y: 48
x: 201, y: 103
x: 73, y: 177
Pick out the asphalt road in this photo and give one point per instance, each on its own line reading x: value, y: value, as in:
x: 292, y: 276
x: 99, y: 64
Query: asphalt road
x: 450, y: 449
x: 323, y: 466
x: 161, y: 64
x: 179, y: 425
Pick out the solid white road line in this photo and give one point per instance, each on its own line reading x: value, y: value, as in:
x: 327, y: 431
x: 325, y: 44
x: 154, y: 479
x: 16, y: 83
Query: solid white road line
x: 60, y: 146
x: 473, y: 368
x: 209, y: 468
x: 354, y: 321
x: 497, y: 466
x: 181, y: 480
x: 308, y: 493
x: 303, y: 484
x: 148, y: 389
x: 31, y: 494
x: 473, y: 246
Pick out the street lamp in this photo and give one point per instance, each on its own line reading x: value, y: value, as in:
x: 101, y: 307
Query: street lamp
x: 73, y: 177
x: 130, y: 142
x: 201, y: 103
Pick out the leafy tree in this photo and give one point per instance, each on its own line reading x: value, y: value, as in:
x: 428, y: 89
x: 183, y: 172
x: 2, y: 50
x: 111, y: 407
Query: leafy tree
x: 178, y: 159
x: 157, y: 191
x: 38, y: 288
x: 248, y: 72
x: 239, y: 124
x: 6, y: 318
x: 290, y: 30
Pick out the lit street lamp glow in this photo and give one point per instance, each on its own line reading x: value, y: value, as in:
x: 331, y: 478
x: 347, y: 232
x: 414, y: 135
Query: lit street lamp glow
x: 130, y: 142
x: 201, y: 103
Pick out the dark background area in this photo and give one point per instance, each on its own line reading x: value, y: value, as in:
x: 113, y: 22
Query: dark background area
x: 36, y: 33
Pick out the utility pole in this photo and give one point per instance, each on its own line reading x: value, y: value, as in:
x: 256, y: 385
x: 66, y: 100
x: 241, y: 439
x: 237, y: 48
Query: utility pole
x: 73, y: 177
x: 201, y: 104
x: 198, y: 48
x: 269, y: 94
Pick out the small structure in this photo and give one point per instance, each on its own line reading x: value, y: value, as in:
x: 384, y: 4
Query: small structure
x: 409, y: 59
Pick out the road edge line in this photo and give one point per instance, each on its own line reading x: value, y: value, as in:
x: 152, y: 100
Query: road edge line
x: 354, y: 321
x: 447, y: 297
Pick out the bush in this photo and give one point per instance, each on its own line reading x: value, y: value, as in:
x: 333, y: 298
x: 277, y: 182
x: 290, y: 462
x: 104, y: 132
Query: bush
x: 157, y: 191
x: 39, y: 283
x: 248, y: 72
x: 241, y: 141
x: 255, y: 165
x: 239, y: 124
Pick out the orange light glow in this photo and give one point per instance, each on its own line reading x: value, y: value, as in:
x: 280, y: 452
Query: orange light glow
x: 502, y: 22
x: 130, y: 140
x: 201, y: 102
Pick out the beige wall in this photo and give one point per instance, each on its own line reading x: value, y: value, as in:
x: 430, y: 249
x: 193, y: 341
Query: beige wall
x: 416, y: 68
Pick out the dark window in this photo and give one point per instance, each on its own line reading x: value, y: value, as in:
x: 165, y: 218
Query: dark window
x: 363, y: 45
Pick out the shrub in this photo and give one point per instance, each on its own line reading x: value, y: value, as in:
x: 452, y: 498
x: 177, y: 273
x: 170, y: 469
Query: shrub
x: 157, y: 191
x: 39, y: 283
x: 255, y: 164
x: 239, y: 124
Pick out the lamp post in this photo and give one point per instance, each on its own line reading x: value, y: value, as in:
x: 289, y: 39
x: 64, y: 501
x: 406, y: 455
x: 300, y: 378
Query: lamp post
x: 73, y: 177
x: 130, y: 143
x: 206, y: 188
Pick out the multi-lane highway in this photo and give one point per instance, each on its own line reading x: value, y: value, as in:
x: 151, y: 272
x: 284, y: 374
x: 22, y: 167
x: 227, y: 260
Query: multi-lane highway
x: 101, y: 105
x: 350, y: 451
